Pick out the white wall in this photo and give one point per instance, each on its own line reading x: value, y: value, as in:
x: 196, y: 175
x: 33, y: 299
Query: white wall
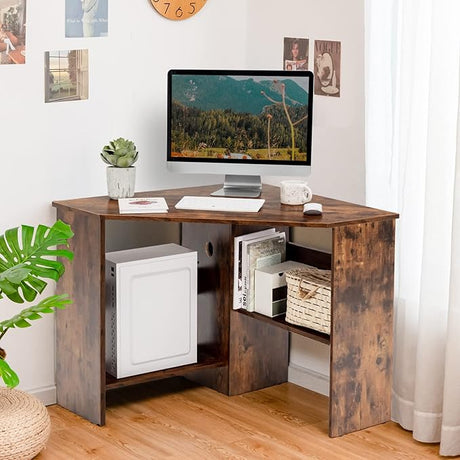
x: 51, y: 151
x: 338, y: 124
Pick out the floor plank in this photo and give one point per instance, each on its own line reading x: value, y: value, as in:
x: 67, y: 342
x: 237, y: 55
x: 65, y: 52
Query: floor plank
x: 176, y: 419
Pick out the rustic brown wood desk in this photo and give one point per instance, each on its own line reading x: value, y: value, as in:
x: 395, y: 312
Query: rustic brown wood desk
x: 241, y: 351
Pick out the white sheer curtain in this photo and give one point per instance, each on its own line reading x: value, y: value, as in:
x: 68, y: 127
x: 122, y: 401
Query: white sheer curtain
x: 413, y: 167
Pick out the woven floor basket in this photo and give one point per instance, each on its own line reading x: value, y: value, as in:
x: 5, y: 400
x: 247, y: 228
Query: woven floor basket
x: 24, y: 425
x: 309, y: 298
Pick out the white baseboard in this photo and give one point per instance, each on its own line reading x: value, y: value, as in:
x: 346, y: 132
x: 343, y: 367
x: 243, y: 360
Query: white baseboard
x: 302, y: 376
x: 309, y: 379
x: 47, y: 395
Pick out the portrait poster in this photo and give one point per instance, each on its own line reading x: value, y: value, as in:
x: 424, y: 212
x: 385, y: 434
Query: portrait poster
x: 86, y: 18
x: 66, y: 75
x: 12, y: 31
x: 295, y: 56
x: 327, y: 68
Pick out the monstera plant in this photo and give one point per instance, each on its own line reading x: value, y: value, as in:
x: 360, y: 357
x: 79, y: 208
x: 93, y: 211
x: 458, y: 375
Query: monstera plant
x: 27, y: 258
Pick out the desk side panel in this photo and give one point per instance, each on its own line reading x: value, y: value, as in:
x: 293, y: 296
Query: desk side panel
x: 212, y: 243
x: 259, y: 350
x: 80, y: 346
x: 259, y: 354
x: 256, y: 352
x: 362, y: 326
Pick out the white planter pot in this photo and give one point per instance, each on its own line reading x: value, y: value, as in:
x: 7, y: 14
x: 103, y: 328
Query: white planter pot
x: 120, y: 182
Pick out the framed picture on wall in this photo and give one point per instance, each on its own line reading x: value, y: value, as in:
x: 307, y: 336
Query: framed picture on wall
x: 86, y: 18
x: 327, y: 68
x: 12, y: 31
x: 66, y: 75
x: 295, y: 56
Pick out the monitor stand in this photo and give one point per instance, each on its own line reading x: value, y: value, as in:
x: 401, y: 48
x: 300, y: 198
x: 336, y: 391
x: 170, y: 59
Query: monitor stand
x: 240, y: 186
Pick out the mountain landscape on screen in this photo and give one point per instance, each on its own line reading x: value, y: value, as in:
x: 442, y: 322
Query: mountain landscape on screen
x: 239, y: 118
x: 207, y: 92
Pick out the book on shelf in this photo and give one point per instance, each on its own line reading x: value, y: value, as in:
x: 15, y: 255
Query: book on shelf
x: 144, y: 205
x: 237, y: 268
x: 259, y: 253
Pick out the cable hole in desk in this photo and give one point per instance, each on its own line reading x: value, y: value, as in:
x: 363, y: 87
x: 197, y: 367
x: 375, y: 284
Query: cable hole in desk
x: 209, y: 249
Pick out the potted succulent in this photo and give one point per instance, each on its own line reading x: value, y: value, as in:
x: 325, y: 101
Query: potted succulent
x: 27, y: 258
x: 120, y: 154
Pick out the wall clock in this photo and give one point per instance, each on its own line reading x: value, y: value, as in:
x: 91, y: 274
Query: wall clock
x: 178, y: 10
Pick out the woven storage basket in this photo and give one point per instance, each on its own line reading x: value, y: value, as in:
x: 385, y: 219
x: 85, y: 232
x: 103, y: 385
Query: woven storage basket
x: 24, y: 425
x: 309, y: 298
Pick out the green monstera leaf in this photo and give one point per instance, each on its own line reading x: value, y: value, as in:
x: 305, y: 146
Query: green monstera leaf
x: 27, y: 258
x: 48, y: 305
x: 27, y: 255
x: 7, y: 374
x: 23, y: 318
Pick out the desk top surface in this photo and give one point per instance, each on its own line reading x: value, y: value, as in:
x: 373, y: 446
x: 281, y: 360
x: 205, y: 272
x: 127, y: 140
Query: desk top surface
x: 335, y: 212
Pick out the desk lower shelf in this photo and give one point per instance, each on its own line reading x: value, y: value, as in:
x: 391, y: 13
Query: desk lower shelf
x: 280, y: 321
x: 207, y: 359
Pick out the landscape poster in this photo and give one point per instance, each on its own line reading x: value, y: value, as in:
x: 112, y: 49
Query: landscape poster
x: 12, y: 31
x: 239, y: 118
x: 86, y: 18
x: 66, y: 75
x: 327, y: 68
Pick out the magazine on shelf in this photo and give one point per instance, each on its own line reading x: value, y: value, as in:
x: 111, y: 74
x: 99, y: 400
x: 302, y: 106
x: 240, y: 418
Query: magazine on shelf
x: 144, y: 205
x: 237, y: 266
x: 269, y: 250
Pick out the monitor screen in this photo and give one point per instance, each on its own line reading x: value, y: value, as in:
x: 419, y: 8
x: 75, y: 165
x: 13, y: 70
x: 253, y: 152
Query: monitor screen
x: 240, y: 122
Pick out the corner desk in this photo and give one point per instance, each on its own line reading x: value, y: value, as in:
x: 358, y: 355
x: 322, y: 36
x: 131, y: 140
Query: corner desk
x: 240, y: 351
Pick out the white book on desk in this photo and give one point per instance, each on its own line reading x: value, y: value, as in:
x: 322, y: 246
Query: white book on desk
x: 259, y: 253
x: 142, y: 205
x: 237, y: 261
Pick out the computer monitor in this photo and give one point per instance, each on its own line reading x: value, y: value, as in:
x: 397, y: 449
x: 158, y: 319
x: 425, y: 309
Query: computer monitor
x: 240, y: 123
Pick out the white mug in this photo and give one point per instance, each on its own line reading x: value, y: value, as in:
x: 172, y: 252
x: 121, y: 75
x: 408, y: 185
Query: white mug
x: 295, y: 192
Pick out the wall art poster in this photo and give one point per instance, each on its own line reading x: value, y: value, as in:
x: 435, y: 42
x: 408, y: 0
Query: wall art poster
x: 295, y: 55
x: 327, y: 68
x: 86, y: 18
x: 66, y: 75
x: 12, y: 31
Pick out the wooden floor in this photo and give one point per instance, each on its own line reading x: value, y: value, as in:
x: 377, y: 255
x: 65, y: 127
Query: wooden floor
x: 175, y: 419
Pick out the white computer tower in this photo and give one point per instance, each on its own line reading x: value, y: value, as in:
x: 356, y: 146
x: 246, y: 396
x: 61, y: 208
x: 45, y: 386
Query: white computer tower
x: 151, y: 309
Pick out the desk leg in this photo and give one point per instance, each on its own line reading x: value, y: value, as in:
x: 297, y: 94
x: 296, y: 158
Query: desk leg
x: 80, y: 361
x: 362, y: 326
